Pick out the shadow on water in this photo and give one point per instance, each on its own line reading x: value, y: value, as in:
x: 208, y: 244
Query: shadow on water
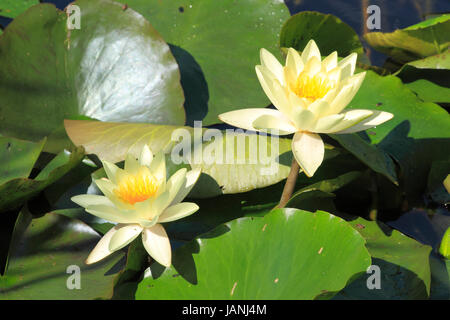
x: 194, y: 85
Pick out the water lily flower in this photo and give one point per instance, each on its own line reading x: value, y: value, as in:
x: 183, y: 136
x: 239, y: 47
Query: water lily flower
x: 310, y: 95
x: 139, y: 198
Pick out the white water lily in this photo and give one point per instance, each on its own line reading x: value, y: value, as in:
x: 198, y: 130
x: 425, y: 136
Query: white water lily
x: 138, y: 198
x: 310, y: 95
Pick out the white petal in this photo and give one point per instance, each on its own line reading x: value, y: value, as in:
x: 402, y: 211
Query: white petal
x: 191, y: 178
x: 342, y: 99
x: 113, y: 214
x: 158, y: 167
x: 350, y: 119
x: 325, y: 124
x: 101, y: 250
x: 176, y: 181
x: 244, y: 118
x: 296, y: 102
x: 111, y: 170
x: 131, y: 164
x: 124, y: 235
x: 290, y: 76
x: 107, y: 187
x: 308, y: 149
x: 146, y: 157
x: 348, y: 65
x: 376, y: 119
x: 271, y: 63
x: 330, y: 62
x: 266, y: 78
x: 271, y: 122
x: 311, y: 50
x: 86, y: 200
x: 320, y: 108
x: 303, y: 119
x: 312, y: 67
x: 157, y: 244
x: 178, y: 211
x: 294, y: 61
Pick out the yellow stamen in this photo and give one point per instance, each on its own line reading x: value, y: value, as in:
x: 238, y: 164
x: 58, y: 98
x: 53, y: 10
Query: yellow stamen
x: 138, y: 187
x: 312, y: 88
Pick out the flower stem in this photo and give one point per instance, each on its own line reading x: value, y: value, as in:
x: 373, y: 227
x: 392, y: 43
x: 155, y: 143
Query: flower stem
x: 290, y: 184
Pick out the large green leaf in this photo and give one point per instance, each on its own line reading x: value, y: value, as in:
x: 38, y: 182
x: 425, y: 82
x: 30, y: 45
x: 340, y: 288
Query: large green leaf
x: 288, y: 254
x: 39, y: 259
x: 403, y: 262
x: 429, y: 77
x: 15, y: 192
x: 328, y: 31
x: 12, y: 8
x: 17, y: 158
x: 224, y: 37
x: 112, y: 141
x: 116, y: 67
x: 415, y: 42
x: 416, y: 136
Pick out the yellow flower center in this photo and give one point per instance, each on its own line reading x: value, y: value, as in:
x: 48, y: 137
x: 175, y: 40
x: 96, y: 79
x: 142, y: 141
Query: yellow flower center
x: 312, y: 88
x: 138, y: 187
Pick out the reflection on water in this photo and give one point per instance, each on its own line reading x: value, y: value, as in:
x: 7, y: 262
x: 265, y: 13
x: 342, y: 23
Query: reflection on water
x: 395, y: 14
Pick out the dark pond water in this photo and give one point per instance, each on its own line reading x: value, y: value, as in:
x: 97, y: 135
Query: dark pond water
x: 395, y: 14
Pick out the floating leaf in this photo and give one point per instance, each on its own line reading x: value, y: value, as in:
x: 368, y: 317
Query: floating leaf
x: 226, y: 54
x: 15, y: 192
x: 12, y: 8
x: 425, y: 39
x: 248, y: 262
x: 44, y: 259
x: 238, y: 172
x: 328, y: 31
x: 116, y: 68
x: 403, y: 262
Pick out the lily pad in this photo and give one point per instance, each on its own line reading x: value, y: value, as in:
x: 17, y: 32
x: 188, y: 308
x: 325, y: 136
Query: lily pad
x: 15, y: 192
x: 238, y: 172
x: 328, y: 31
x: 415, y: 137
x: 116, y: 67
x: 212, y: 32
x: 17, y: 158
x: 42, y: 261
x: 403, y: 262
x: 248, y: 262
x: 12, y: 8
x: 422, y: 40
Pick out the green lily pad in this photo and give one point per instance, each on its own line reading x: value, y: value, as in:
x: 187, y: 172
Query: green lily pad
x: 40, y: 257
x: 115, y: 67
x: 403, y: 262
x: 425, y: 39
x: 328, y: 31
x: 17, y: 158
x: 212, y: 32
x: 275, y: 257
x: 12, y: 8
x: 15, y: 192
x: 415, y: 137
x: 237, y: 173
x: 429, y: 78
